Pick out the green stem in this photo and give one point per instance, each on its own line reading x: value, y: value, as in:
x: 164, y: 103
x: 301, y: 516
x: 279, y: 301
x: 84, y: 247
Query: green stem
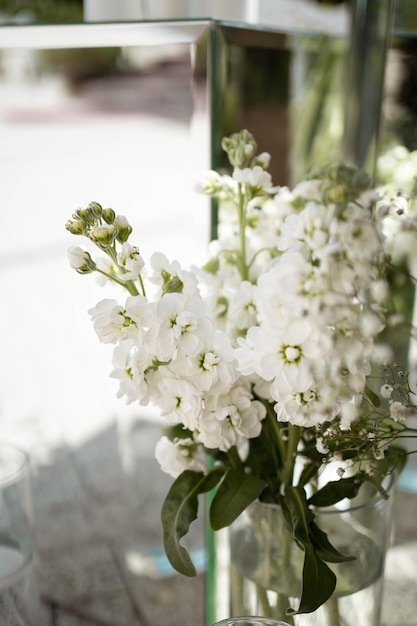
x: 272, y: 417
x: 282, y: 605
x: 129, y: 285
x: 332, y: 609
x: 266, y: 609
x: 234, y: 458
x: 242, y: 232
x: 294, y: 434
x: 237, y: 599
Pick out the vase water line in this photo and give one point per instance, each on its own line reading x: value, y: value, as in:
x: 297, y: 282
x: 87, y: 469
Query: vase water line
x: 266, y: 563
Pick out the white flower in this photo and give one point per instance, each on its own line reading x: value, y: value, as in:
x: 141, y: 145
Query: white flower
x: 321, y: 446
x: 176, y: 456
x: 213, y: 183
x: 178, y: 326
x: 80, y: 259
x: 179, y: 400
x: 215, y: 363
x: 398, y: 411
x: 386, y: 391
x: 165, y: 270
x: 109, y: 320
x: 130, y: 364
x: 256, y: 177
x: 231, y: 418
x: 130, y: 258
x: 263, y: 159
x: 242, y: 307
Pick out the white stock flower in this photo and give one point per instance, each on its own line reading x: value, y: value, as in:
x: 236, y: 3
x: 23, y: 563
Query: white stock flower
x: 215, y: 363
x: 162, y: 267
x: 131, y: 260
x: 242, y: 307
x: 179, y: 400
x: 109, y: 321
x: 113, y: 322
x: 79, y: 258
x: 179, y: 455
x: 256, y: 177
x: 178, y: 326
x: 130, y: 363
x: 230, y: 418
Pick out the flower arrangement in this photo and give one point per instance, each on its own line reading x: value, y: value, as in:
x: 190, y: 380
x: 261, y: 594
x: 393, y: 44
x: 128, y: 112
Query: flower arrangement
x: 266, y: 362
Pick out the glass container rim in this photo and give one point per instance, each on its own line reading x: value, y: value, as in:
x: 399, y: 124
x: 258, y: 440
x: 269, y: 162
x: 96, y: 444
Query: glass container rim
x: 231, y: 621
x: 335, y: 510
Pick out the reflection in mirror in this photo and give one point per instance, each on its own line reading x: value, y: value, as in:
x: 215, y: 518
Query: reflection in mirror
x: 287, y: 89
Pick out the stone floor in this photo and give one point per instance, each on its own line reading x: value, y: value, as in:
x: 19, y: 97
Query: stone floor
x: 99, y: 554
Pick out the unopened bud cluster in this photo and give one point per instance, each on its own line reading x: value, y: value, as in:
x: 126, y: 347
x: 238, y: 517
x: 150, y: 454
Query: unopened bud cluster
x: 110, y: 233
x: 100, y: 225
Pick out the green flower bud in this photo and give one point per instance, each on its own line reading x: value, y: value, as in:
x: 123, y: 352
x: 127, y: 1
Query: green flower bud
x: 123, y: 228
x: 172, y: 284
x: 84, y: 214
x: 108, y: 216
x: 212, y: 266
x: 338, y: 194
x: 95, y: 209
x: 103, y: 236
x: 76, y: 227
x: 240, y: 148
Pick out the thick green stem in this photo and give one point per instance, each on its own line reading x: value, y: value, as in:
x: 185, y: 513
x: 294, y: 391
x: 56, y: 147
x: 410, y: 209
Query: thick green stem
x: 234, y: 458
x: 272, y: 416
x: 244, y: 272
x: 294, y: 434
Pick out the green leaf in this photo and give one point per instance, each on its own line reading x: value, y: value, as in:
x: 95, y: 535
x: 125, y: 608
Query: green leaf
x: 179, y: 509
x: 373, y: 397
x: 309, y: 471
x: 336, y: 490
x: 236, y: 491
x: 319, y: 581
x: 324, y: 549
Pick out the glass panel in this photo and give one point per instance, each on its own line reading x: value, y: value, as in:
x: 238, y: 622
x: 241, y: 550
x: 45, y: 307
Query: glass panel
x: 287, y: 90
x: 298, y: 15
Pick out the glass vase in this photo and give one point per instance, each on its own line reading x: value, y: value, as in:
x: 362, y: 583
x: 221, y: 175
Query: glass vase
x: 266, y: 563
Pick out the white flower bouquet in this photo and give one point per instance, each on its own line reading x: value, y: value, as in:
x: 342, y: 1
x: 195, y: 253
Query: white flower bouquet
x: 266, y: 362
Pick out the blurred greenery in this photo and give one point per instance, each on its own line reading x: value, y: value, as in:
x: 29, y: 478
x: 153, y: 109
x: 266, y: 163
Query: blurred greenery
x: 79, y: 64
x: 43, y: 11
x: 406, y: 15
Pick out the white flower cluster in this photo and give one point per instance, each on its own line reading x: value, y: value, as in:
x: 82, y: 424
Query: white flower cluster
x: 306, y: 319
x: 289, y: 323
x: 397, y: 173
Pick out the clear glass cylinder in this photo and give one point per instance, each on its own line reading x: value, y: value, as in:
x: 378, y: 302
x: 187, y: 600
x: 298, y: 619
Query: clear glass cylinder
x: 16, y: 545
x: 20, y: 601
x: 266, y: 563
